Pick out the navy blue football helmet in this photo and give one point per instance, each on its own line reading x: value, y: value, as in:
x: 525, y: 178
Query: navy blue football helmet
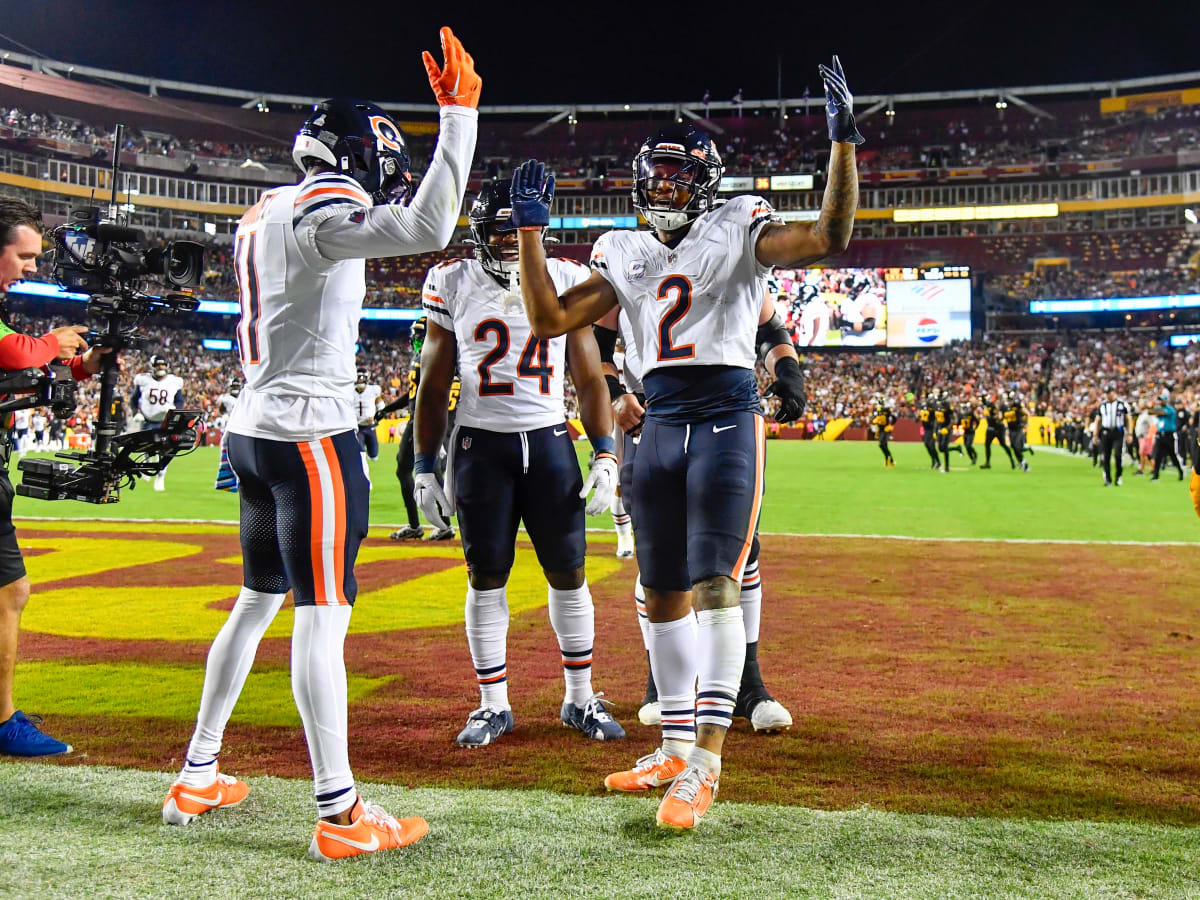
x: 491, y: 214
x: 360, y: 140
x: 687, y: 159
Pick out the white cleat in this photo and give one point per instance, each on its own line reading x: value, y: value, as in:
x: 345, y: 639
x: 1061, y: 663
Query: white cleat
x: 650, y: 713
x: 770, y: 715
x: 160, y: 481
x: 624, y: 546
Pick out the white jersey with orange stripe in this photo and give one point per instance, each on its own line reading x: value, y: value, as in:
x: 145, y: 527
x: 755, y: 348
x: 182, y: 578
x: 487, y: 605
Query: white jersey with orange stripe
x: 696, y: 303
x: 299, y: 258
x: 511, y: 381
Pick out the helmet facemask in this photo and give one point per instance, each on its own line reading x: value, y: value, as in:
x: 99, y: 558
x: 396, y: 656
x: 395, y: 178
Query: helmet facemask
x: 672, y: 185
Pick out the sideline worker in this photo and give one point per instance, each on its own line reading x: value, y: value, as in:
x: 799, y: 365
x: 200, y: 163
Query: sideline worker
x: 20, y: 247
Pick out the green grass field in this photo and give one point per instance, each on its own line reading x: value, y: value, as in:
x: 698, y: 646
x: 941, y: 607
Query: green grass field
x: 937, y: 720
x: 812, y: 488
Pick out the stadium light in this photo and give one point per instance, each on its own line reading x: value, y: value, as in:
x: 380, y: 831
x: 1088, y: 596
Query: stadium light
x: 973, y: 213
x: 1001, y: 103
x: 1190, y: 215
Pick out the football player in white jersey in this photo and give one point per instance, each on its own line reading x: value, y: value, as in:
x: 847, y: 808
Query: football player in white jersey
x: 300, y: 259
x: 366, y: 404
x: 226, y: 479
x: 156, y: 393
x: 693, y: 287
x: 513, y: 460
x: 21, y: 422
x: 754, y: 701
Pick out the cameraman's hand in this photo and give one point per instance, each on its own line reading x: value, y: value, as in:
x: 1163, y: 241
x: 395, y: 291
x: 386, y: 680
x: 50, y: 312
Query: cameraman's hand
x: 70, y: 340
x: 90, y: 361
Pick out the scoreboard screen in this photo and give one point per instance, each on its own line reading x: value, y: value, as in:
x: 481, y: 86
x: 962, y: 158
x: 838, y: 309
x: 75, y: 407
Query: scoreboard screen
x: 928, y: 306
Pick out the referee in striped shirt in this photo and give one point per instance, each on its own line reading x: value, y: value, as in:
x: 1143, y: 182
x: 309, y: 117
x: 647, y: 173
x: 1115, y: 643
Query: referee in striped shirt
x: 1112, y: 423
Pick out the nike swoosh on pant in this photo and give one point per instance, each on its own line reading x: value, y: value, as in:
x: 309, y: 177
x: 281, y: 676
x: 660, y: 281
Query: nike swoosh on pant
x: 558, y: 433
x: 350, y: 842
x: 717, y: 430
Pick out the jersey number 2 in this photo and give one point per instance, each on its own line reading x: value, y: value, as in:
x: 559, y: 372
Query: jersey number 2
x: 683, y: 302
x: 534, y: 361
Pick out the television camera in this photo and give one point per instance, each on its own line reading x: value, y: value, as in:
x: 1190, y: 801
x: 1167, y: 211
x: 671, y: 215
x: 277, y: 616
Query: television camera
x: 103, y: 257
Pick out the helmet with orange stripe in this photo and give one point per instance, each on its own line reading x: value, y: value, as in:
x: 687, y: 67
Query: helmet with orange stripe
x: 360, y: 140
x: 675, y: 176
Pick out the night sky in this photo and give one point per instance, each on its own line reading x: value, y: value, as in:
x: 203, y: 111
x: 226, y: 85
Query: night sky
x: 590, y: 52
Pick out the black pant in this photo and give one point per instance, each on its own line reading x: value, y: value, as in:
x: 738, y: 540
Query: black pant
x: 995, y: 434
x: 1111, y: 439
x: 1016, y: 438
x: 404, y: 472
x: 883, y: 445
x: 1164, y: 448
x: 969, y: 444
x: 931, y: 447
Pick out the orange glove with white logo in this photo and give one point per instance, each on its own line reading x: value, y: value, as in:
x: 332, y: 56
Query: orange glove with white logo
x: 455, y: 84
x: 1194, y: 488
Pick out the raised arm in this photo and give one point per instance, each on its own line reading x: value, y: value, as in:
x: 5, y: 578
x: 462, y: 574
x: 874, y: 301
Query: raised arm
x: 428, y: 222
x: 549, y: 314
x: 801, y: 243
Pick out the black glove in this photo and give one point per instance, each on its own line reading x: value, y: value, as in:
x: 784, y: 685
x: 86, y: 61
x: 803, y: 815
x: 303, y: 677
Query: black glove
x: 839, y: 105
x: 789, y: 388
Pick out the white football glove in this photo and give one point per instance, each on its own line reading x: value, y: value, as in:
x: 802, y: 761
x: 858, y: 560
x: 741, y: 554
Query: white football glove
x: 603, y: 477
x: 431, y: 500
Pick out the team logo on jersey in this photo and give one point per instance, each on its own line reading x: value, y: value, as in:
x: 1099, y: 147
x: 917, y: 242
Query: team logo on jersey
x: 928, y: 330
x: 358, y: 216
x: 386, y: 132
x: 635, y: 270
x: 466, y: 442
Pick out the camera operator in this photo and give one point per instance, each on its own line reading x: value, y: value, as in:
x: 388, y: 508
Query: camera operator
x: 20, y: 247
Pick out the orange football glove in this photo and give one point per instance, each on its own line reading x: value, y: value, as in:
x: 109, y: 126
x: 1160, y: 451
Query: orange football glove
x: 1194, y: 488
x: 455, y: 84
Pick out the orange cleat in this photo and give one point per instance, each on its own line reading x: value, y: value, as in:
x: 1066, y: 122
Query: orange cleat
x: 652, y: 770
x: 185, y: 802
x: 370, y: 831
x: 689, y: 797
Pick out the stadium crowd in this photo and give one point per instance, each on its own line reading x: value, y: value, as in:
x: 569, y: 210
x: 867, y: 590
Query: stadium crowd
x: 917, y: 138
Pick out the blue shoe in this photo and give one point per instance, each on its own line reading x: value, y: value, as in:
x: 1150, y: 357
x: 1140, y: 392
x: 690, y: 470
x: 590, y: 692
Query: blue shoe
x: 485, y: 726
x: 19, y: 736
x: 593, y: 719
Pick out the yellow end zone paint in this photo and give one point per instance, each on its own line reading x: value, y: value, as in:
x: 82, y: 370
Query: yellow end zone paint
x: 163, y: 692
x: 188, y: 613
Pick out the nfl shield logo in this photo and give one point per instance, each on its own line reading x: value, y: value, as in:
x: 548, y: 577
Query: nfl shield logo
x: 466, y: 442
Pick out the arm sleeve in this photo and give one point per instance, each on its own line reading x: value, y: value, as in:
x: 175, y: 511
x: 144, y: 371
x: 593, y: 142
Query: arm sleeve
x: 752, y: 213
x: 772, y: 334
x: 606, y: 340
x: 427, y: 223
x: 20, y: 351
x: 179, y: 399
x: 436, y: 299
x: 599, y: 258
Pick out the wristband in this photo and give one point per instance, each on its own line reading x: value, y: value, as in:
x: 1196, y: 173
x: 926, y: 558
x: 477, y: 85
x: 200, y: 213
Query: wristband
x: 787, y: 367
x: 424, y: 465
x: 616, y: 390
x: 604, y: 444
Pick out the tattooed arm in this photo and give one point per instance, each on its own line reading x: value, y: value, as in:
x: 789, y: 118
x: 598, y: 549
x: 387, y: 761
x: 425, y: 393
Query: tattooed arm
x: 801, y: 243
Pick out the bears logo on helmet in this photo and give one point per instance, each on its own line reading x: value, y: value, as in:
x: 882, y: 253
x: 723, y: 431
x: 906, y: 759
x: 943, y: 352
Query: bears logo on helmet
x: 686, y: 158
x: 360, y: 140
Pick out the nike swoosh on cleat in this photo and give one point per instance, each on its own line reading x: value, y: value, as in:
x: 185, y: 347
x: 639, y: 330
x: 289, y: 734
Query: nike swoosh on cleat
x: 558, y: 433
x: 205, y: 800
x: 717, y: 430
x: 357, y: 845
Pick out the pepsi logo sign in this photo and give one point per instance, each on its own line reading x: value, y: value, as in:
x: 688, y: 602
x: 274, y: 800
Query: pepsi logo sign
x: 928, y: 330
